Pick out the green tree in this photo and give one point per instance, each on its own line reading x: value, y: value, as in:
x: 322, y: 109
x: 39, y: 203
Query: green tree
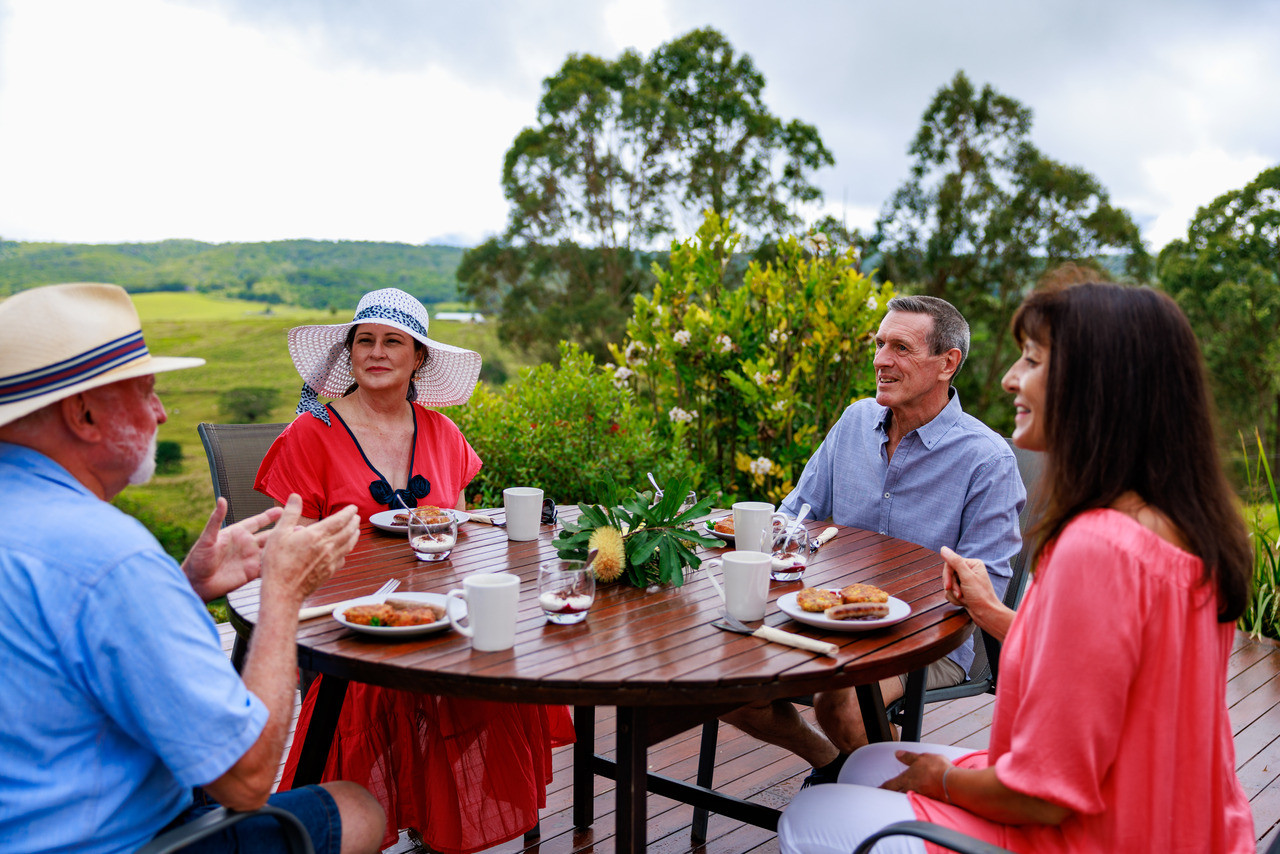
x: 622, y: 154
x: 1225, y: 277
x: 247, y: 404
x: 983, y: 214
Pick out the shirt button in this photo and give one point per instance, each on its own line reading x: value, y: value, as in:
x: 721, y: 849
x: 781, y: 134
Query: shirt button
x: 886, y: 495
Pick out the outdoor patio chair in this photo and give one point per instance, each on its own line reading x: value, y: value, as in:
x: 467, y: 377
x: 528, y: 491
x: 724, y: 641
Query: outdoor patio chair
x: 235, y: 451
x: 935, y: 833
x: 908, y: 711
x: 222, y: 818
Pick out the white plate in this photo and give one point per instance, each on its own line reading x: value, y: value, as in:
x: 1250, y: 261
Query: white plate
x: 898, y: 611
x: 384, y: 519
x: 460, y: 609
x: 711, y: 529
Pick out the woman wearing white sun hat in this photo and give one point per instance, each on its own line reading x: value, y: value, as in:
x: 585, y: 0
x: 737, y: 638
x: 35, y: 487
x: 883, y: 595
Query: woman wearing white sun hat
x: 464, y: 774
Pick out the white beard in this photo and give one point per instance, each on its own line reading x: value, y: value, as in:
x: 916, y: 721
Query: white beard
x: 147, y: 466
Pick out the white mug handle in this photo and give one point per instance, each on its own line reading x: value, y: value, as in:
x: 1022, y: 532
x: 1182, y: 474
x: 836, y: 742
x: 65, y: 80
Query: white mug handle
x: 453, y: 621
x: 708, y: 565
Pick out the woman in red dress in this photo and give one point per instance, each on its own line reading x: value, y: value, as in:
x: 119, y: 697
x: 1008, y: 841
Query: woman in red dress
x: 462, y: 774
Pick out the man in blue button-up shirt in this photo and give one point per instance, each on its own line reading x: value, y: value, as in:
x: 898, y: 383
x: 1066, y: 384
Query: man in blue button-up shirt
x: 908, y: 464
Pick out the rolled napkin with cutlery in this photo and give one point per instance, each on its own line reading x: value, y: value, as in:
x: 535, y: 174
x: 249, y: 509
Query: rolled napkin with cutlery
x: 826, y: 535
x: 769, y: 633
x: 321, y: 610
x: 314, y: 611
x: 486, y: 520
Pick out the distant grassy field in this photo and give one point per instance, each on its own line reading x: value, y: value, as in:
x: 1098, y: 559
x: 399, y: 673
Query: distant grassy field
x: 242, y: 347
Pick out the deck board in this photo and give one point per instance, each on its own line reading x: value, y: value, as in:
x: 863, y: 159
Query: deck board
x: 766, y: 774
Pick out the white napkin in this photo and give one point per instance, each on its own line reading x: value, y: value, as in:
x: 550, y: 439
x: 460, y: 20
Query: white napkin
x: 769, y: 633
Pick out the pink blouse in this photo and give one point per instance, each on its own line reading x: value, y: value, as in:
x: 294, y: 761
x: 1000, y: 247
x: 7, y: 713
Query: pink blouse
x: 1112, y: 703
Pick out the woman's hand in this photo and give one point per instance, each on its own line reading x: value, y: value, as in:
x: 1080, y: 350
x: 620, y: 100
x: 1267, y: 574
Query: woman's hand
x: 978, y: 790
x: 923, y: 774
x: 967, y: 584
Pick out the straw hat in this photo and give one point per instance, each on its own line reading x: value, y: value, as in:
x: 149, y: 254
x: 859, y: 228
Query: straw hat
x: 446, y: 378
x: 60, y: 340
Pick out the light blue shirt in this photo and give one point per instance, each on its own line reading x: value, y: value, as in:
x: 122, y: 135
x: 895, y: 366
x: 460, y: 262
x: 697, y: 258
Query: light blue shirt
x: 117, y: 697
x: 952, y: 482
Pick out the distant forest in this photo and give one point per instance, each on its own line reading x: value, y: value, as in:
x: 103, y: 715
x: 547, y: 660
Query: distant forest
x: 309, y: 273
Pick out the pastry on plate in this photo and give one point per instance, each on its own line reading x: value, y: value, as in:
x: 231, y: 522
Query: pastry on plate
x: 817, y: 599
x: 863, y: 593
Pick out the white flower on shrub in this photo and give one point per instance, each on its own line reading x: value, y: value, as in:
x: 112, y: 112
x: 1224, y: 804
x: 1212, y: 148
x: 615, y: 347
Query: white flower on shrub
x: 621, y: 375
x: 765, y: 379
x: 761, y: 466
x: 779, y: 405
x: 836, y: 357
x: 871, y: 303
x: 682, y: 337
x: 817, y: 242
x: 681, y: 416
x: 725, y: 342
x: 635, y: 353
x: 777, y: 336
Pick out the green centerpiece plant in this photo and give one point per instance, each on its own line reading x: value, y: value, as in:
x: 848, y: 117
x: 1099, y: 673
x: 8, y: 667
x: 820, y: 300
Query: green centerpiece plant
x: 643, y: 541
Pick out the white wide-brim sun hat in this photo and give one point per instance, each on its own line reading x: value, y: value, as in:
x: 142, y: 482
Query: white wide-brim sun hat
x: 446, y: 378
x: 60, y: 340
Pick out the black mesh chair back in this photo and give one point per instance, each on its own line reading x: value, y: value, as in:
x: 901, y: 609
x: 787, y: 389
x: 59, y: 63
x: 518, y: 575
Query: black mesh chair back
x: 235, y: 451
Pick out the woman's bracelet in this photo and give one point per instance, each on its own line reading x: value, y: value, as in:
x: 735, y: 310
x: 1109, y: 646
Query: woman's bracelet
x: 946, y: 794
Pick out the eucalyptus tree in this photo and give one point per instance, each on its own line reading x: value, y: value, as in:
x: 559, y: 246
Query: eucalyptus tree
x: 1226, y: 277
x: 983, y: 214
x: 627, y: 154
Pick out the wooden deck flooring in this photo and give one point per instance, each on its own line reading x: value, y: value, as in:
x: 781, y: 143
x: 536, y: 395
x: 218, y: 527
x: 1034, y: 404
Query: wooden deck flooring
x: 763, y: 773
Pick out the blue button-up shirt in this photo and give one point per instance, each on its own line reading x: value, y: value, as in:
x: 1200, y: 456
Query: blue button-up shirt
x: 117, y: 696
x: 952, y: 482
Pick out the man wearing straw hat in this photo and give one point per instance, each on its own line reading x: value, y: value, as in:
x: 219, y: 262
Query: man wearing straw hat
x: 118, y: 699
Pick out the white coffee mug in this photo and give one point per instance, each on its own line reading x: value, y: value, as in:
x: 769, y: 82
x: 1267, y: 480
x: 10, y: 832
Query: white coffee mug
x: 746, y: 582
x: 491, y: 610
x: 750, y: 518
x: 524, y: 511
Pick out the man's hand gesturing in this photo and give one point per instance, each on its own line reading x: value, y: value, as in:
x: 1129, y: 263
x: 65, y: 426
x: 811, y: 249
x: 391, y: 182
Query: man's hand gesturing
x: 297, y: 560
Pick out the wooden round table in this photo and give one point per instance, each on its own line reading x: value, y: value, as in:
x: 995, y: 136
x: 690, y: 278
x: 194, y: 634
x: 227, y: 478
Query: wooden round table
x: 651, y: 653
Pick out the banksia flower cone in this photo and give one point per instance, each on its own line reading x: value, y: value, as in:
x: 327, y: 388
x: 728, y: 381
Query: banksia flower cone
x: 611, y: 557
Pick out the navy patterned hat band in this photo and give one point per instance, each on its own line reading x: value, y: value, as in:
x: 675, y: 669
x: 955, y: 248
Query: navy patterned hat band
x: 386, y: 312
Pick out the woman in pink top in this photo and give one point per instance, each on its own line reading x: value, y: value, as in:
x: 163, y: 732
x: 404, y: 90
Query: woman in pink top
x: 1110, y: 730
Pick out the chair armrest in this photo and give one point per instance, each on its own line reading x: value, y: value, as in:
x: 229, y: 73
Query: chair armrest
x: 215, y: 821
x: 935, y: 833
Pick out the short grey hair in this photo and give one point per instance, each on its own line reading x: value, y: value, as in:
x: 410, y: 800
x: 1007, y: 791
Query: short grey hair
x: 950, y: 329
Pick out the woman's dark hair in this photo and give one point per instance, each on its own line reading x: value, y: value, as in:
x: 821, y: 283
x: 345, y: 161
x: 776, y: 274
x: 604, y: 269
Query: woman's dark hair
x: 1127, y: 408
x: 418, y: 347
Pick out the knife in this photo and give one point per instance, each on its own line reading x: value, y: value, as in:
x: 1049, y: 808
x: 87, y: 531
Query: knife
x: 826, y: 535
x: 769, y: 633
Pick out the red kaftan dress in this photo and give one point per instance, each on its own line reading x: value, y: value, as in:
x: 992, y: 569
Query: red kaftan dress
x: 467, y: 774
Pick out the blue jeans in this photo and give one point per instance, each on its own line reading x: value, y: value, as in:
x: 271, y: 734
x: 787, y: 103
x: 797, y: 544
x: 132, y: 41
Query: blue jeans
x: 312, y: 804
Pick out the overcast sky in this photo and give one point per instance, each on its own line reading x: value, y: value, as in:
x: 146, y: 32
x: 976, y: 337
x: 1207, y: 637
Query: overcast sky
x: 254, y: 120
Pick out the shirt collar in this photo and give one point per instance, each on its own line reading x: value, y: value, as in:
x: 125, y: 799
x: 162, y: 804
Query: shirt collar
x: 931, y: 433
x: 28, y: 459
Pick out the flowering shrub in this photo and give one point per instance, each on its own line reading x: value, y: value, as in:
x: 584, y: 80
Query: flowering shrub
x: 565, y: 429
x: 750, y: 379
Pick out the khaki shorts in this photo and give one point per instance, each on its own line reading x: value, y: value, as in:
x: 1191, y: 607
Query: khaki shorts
x: 943, y: 673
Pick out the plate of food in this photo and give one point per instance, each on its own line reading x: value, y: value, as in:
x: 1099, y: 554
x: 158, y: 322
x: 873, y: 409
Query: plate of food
x: 722, y: 528
x: 397, y: 521
x: 400, y: 615
x: 856, y: 608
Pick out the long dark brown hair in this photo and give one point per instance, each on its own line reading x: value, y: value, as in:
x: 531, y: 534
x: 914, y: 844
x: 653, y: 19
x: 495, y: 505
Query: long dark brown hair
x: 1127, y: 408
